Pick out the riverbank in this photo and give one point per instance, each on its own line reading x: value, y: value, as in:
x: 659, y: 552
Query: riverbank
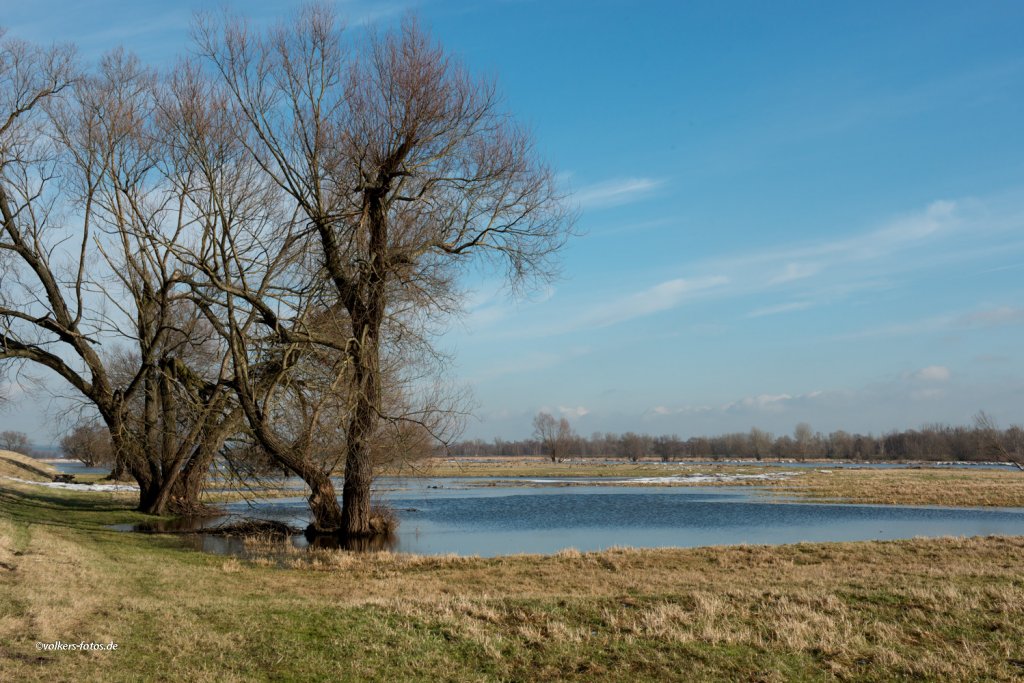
x: 945, y: 608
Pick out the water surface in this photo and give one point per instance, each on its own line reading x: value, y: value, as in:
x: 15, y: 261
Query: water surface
x: 467, y: 517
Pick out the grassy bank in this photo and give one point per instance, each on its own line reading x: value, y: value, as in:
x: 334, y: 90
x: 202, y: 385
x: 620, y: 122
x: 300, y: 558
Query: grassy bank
x: 23, y: 467
x: 952, y: 487
x: 942, y: 609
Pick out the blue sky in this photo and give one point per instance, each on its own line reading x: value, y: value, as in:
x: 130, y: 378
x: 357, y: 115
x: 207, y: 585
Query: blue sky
x: 790, y: 211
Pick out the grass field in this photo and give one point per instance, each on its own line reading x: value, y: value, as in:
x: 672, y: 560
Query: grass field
x: 944, y: 609
x: 969, y: 488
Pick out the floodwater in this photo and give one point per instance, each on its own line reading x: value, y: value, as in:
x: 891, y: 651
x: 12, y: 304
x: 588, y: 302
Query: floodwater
x: 489, y: 517
x: 76, y: 467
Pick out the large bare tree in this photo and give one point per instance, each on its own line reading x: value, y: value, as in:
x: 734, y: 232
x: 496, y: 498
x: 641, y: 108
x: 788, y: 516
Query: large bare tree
x: 402, y: 172
x: 89, y: 287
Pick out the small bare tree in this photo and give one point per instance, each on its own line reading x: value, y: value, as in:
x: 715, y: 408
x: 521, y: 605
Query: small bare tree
x: 635, y: 446
x: 555, y: 436
x: 803, y: 435
x: 991, y: 441
x: 89, y: 443
x: 14, y: 441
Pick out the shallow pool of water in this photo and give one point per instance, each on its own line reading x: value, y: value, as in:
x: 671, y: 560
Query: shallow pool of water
x: 465, y: 517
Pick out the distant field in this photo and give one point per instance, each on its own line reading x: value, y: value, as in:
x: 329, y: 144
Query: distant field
x: 960, y: 488
x: 948, y: 609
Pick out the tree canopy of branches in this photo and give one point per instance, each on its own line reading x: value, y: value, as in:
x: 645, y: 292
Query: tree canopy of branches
x: 88, y: 222
x: 397, y: 171
x: 88, y: 443
x: 555, y: 436
x: 11, y: 440
x: 260, y: 243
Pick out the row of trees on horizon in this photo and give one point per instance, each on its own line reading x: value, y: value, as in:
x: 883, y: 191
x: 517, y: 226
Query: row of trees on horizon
x: 982, y: 441
x: 91, y: 445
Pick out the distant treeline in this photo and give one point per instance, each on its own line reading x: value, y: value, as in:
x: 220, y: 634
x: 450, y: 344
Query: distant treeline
x: 933, y: 442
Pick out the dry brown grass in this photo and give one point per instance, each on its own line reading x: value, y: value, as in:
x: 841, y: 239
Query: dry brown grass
x: 20, y: 466
x: 539, y: 467
x: 951, y: 487
x: 937, y: 609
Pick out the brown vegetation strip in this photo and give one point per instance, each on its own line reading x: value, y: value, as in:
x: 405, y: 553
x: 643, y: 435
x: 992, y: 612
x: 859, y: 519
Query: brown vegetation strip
x: 951, y: 487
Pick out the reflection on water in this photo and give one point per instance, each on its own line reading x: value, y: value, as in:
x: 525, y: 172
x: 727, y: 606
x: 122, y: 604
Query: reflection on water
x: 466, y: 517
x: 367, y: 544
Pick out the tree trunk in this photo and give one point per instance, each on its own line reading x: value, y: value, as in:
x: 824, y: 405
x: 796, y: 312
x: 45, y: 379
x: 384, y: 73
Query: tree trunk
x: 327, y: 517
x: 367, y: 313
x: 356, y: 513
x: 151, y: 501
x: 184, y: 495
x: 119, y: 472
x: 356, y: 517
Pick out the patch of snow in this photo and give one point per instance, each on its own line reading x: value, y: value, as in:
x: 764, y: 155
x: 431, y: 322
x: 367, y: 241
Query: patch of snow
x: 107, y: 488
x: 711, y: 478
x: 675, y: 479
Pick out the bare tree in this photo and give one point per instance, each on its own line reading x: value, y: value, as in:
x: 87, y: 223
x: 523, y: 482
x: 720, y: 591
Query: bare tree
x: 991, y: 441
x: 14, y: 441
x: 635, y: 446
x: 401, y: 170
x: 89, y: 443
x: 86, y: 225
x: 760, y: 442
x: 555, y: 436
x: 804, y: 437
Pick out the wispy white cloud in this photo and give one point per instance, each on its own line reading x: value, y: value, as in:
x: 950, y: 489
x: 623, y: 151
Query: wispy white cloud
x: 932, y: 373
x: 529, y: 363
x: 780, y: 308
x: 981, y: 318
x: 616, y: 192
x: 806, y: 275
x: 578, y: 411
x: 992, y: 317
x: 796, y: 271
x: 780, y: 265
x: 768, y: 402
x: 660, y: 297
